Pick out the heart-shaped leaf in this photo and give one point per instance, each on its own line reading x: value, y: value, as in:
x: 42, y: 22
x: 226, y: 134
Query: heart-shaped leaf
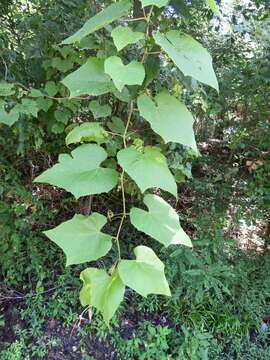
x: 161, y: 221
x: 123, y: 36
x: 8, y: 118
x: 103, y: 18
x: 131, y: 74
x: 87, y: 132
x: 102, y: 291
x: 169, y: 118
x: 89, y: 79
x: 148, y: 168
x: 99, y: 110
x: 6, y: 89
x: 81, y: 238
x: 188, y: 55
x: 81, y: 173
x: 145, y: 275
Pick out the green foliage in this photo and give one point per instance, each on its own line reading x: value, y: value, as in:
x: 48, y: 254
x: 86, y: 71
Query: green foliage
x: 81, y: 238
x: 123, y: 36
x: 77, y: 175
x: 161, y: 222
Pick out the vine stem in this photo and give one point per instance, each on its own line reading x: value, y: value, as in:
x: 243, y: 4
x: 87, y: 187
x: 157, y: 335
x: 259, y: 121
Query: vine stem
x: 147, y: 19
x: 124, y: 214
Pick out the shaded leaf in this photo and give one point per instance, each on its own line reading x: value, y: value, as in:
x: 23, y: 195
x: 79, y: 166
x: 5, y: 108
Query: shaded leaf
x: 148, y: 168
x: 87, y: 132
x: 80, y: 173
x: 99, y: 110
x: 123, y: 36
x: 145, y: 275
x: 27, y: 107
x: 81, y: 238
x: 51, y: 88
x: 8, y: 118
x: 161, y: 221
x: 6, y: 89
x: 89, y: 79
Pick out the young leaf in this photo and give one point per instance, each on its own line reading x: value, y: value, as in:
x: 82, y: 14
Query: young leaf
x: 103, y: 18
x: 8, y: 118
x: 87, y: 132
x: 98, y: 110
x: 188, y: 55
x: 169, y: 118
x: 158, y: 3
x: 148, y: 169
x: 145, y: 275
x: 89, y: 79
x: 81, y: 173
x: 131, y: 74
x: 81, y: 238
x: 102, y: 291
x: 44, y: 104
x: 123, y: 36
x: 161, y: 222
x: 27, y: 107
x: 6, y: 89
x: 51, y: 88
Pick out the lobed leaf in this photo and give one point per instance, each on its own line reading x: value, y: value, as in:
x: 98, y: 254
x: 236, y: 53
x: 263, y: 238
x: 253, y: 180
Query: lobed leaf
x: 131, y: 74
x: 145, y: 275
x: 102, y: 291
x: 80, y: 173
x: 148, y: 168
x: 81, y: 238
x: 161, y: 222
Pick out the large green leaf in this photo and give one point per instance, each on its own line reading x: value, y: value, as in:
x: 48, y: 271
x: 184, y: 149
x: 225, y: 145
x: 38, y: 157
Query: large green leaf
x: 89, y: 79
x: 123, y: 36
x: 99, y: 110
x: 6, y: 89
x: 87, y: 132
x: 158, y: 3
x: 131, y: 74
x: 188, y: 55
x: 161, y: 221
x: 148, y: 168
x: 145, y: 275
x: 169, y: 118
x: 81, y: 238
x: 81, y: 173
x: 8, y: 118
x: 102, y: 291
x: 103, y: 18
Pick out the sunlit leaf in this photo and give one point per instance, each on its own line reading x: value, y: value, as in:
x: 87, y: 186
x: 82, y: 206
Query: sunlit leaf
x: 158, y: 3
x: 145, y: 275
x: 103, y: 18
x: 131, y: 74
x: 81, y: 238
x: 102, y: 291
x: 148, y: 169
x: 80, y: 173
x: 161, y: 221
x: 188, y: 55
x: 123, y: 36
x: 169, y: 118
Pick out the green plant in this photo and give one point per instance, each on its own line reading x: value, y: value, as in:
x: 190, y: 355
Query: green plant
x: 119, y: 83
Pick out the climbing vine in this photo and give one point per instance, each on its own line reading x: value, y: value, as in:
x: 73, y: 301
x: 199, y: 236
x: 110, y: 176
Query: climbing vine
x: 135, y: 119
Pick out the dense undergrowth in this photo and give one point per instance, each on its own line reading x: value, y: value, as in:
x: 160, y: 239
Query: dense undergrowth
x: 220, y: 293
